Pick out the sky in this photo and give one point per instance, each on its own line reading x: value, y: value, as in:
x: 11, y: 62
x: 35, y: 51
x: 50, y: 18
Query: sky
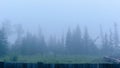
x: 55, y: 16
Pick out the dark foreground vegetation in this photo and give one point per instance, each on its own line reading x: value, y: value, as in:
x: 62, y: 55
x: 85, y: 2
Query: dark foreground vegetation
x: 75, y: 47
x: 43, y: 65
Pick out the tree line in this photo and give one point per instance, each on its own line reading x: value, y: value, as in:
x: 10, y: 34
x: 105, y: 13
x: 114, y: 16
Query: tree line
x: 75, y: 42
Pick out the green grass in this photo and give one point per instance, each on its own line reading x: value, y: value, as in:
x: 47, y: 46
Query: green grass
x: 56, y: 59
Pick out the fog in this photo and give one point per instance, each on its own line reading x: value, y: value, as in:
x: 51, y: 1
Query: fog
x: 54, y: 17
x: 61, y: 19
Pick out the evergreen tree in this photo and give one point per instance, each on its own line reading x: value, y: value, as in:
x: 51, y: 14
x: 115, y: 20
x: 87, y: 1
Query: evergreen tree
x: 88, y: 44
x: 105, y: 47
x: 68, y: 42
x: 29, y: 45
x: 41, y: 43
x: 111, y: 40
x: 116, y: 35
x: 86, y: 40
x: 77, y: 41
x: 3, y: 43
x: 52, y: 43
x: 101, y: 35
x: 60, y: 49
x: 116, y: 41
x: 19, y: 38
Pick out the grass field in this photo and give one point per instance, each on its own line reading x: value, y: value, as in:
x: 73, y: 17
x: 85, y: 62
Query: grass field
x: 55, y: 59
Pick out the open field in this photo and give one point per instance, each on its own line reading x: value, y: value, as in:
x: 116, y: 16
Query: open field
x: 55, y: 59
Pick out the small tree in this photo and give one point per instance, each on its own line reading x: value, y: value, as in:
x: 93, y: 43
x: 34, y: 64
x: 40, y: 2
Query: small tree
x: 3, y: 43
x: 68, y: 41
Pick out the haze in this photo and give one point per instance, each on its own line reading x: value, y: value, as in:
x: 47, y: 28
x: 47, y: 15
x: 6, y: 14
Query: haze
x: 54, y: 17
x: 60, y: 31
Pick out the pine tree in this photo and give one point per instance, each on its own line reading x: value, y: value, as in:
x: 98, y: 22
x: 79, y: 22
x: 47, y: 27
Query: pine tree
x: 3, y: 43
x: 77, y: 41
x: 52, y: 45
x: 18, y: 42
x: 88, y: 44
x: 41, y: 42
x: 29, y: 45
x: 116, y: 35
x: 68, y: 42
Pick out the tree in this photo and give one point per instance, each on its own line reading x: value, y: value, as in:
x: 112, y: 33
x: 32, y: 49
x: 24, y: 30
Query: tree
x: 52, y: 45
x: 6, y: 25
x: 116, y: 41
x: 111, y: 40
x: 3, y: 42
x: 42, y: 46
x: 105, y: 46
x: 62, y: 45
x: 101, y: 35
x: 60, y: 48
x: 116, y: 35
x: 77, y: 41
x: 19, y: 37
x: 88, y: 44
x: 68, y: 42
x: 41, y: 43
x: 29, y: 45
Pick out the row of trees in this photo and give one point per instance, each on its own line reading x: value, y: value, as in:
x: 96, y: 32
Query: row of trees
x: 74, y: 43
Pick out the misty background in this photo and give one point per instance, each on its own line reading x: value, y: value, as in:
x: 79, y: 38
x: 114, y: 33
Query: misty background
x: 62, y: 27
x: 54, y: 17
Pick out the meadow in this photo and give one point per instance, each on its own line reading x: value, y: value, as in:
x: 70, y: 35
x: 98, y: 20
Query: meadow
x: 74, y: 59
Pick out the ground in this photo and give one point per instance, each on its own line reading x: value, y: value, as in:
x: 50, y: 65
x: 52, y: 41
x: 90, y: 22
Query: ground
x: 55, y: 59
